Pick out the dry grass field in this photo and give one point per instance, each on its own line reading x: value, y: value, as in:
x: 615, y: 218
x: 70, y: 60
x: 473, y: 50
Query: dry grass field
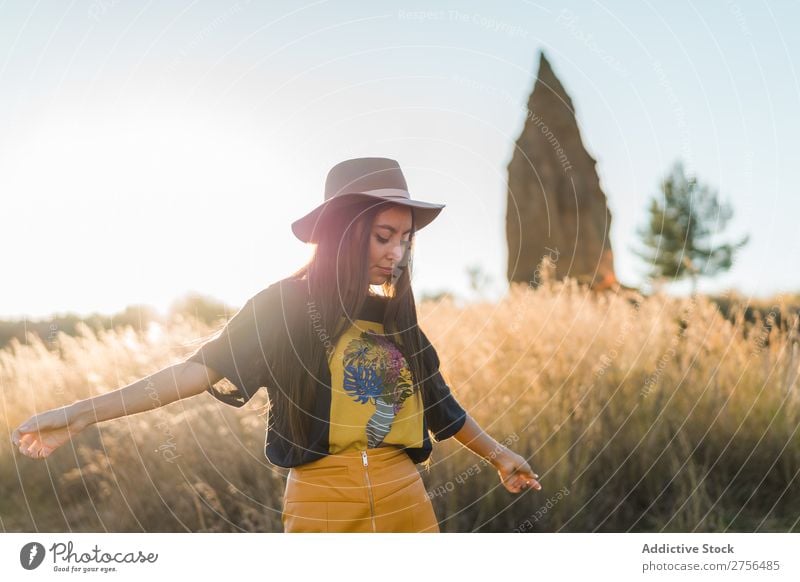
x: 639, y: 414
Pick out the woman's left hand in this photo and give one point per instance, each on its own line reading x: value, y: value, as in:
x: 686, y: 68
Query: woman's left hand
x: 515, y: 473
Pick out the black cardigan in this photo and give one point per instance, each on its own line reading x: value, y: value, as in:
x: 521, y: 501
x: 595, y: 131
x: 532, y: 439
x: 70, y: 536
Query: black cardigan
x: 244, y: 353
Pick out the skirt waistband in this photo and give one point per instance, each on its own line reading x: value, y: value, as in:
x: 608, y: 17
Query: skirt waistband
x: 377, y: 456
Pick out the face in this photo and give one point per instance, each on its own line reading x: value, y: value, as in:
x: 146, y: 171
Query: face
x: 391, y: 232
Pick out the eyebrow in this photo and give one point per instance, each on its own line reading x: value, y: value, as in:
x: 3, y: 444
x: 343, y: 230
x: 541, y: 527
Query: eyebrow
x: 391, y: 228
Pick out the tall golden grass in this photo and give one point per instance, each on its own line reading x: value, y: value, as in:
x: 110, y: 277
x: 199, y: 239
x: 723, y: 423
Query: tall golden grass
x: 638, y: 413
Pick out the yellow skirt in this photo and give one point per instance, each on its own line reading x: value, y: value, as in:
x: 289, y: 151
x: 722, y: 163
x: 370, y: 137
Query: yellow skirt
x: 377, y: 490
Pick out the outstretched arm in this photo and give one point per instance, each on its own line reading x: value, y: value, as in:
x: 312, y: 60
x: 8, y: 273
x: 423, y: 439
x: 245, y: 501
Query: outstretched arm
x: 42, y: 433
x: 515, y: 473
x: 159, y: 389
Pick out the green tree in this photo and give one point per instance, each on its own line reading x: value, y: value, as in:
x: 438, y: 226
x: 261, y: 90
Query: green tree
x: 682, y: 230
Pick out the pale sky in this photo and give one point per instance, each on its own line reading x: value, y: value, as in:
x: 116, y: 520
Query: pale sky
x: 148, y: 149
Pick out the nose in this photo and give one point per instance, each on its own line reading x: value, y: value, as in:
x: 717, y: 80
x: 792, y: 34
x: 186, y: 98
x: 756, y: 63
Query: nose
x: 396, y: 252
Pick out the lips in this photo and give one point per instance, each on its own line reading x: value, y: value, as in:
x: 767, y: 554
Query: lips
x: 385, y: 271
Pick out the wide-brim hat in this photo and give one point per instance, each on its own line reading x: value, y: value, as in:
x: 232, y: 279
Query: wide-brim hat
x: 353, y: 184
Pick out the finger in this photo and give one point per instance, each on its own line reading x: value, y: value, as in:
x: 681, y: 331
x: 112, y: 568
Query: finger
x: 24, y: 443
x: 516, y: 484
x: 33, y: 449
x: 25, y: 449
x: 27, y: 439
x: 523, y: 471
x: 518, y: 481
x: 521, y: 480
x: 520, y: 487
x: 527, y: 483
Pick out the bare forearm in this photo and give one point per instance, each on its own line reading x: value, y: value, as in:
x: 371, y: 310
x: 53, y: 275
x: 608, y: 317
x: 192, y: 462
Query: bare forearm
x: 475, y: 439
x: 158, y: 389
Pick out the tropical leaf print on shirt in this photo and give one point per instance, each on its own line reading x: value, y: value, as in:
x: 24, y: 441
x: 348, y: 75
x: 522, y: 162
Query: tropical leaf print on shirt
x: 376, y: 372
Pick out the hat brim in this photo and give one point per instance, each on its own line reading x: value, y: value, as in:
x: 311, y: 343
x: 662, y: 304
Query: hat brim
x: 308, y: 227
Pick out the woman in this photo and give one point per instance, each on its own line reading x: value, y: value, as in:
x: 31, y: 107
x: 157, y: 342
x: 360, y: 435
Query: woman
x: 353, y: 383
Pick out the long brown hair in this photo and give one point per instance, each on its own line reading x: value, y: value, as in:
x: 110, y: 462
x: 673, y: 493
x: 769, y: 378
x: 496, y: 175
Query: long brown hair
x: 337, y: 277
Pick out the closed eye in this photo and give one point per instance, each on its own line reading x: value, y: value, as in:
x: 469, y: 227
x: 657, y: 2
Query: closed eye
x: 381, y: 239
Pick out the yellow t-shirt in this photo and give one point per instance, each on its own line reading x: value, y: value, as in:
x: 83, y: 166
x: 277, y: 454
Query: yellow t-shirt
x: 372, y: 400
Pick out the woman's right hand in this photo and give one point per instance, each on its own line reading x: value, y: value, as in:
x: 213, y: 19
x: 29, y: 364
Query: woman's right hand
x: 43, y: 433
